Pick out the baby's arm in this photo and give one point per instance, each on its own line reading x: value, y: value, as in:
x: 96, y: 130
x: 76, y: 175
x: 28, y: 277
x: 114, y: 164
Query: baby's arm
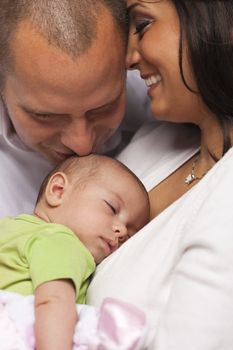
x: 55, y: 315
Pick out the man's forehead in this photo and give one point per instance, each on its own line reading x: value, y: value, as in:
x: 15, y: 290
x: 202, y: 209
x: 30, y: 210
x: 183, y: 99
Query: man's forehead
x: 45, y: 61
x: 106, y: 30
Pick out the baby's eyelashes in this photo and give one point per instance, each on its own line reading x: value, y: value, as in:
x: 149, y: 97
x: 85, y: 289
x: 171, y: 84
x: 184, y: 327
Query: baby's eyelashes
x: 111, y: 207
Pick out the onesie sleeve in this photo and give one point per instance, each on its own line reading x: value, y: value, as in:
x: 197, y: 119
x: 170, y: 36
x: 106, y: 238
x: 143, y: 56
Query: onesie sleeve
x: 199, y: 313
x: 58, y: 255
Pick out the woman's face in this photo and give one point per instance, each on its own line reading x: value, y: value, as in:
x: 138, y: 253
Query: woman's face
x: 154, y: 50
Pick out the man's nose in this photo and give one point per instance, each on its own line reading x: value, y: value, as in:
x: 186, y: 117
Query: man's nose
x: 79, y: 137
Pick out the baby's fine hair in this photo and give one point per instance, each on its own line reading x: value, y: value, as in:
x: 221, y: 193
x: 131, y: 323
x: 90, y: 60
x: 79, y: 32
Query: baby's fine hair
x: 81, y: 169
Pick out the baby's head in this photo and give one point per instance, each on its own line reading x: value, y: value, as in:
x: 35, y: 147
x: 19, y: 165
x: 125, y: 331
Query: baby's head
x: 98, y: 198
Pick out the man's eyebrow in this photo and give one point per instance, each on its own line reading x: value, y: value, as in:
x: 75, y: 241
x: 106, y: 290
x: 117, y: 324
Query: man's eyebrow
x: 110, y: 103
x: 106, y: 105
x: 38, y: 112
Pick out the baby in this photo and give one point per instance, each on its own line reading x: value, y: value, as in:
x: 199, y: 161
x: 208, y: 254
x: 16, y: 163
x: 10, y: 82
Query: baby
x: 87, y: 207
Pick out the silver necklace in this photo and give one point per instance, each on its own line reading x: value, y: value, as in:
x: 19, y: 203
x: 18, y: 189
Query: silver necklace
x: 192, y: 176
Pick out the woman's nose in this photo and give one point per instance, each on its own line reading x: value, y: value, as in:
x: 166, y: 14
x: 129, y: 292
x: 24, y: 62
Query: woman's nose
x: 133, y: 55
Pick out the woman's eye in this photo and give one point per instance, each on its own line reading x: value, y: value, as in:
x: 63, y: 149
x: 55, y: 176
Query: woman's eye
x: 140, y: 27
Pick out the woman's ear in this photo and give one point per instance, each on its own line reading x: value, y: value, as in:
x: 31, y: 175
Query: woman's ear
x: 55, y: 189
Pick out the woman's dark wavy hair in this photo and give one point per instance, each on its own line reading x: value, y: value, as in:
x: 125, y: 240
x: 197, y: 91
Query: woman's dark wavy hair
x: 207, y: 26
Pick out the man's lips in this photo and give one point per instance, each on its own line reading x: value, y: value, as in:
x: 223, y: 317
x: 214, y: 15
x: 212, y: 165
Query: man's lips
x: 63, y: 155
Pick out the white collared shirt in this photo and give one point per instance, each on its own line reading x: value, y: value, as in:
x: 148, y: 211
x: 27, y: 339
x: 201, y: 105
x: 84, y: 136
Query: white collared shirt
x: 21, y: 171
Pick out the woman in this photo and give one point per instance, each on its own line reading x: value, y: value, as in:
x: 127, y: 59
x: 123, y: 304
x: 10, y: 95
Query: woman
x: 179, y: 268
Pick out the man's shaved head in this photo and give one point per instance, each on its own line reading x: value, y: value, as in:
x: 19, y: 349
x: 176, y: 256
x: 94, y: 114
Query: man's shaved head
x: 69, y: 25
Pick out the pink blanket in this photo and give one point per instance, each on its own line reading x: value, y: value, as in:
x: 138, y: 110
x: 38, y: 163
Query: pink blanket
x: 115, y: 326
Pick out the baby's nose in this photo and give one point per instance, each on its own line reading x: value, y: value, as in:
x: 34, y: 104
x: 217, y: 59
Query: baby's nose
x: 121, y: 233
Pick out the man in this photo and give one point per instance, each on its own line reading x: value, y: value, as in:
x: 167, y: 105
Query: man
x: 62, y: 80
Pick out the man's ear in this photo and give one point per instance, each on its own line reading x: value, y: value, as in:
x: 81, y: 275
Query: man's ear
x: 55, y: 189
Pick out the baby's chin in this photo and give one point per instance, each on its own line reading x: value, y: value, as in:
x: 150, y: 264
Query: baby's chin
x: 99, y: 258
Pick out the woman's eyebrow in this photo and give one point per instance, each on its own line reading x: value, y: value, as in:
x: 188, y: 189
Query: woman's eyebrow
x: 131, y: 7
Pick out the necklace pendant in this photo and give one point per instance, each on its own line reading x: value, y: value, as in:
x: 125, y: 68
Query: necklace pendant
x: 189, y: 179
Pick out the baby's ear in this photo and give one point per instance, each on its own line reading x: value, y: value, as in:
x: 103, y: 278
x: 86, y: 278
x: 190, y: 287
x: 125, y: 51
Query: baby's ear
x: 55, y: 189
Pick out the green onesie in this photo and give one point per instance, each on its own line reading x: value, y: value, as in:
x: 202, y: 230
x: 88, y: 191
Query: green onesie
x: 33, y: 251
